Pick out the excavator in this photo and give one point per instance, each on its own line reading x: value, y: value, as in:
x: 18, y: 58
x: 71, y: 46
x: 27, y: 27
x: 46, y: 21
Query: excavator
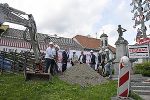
x: 15, y: 16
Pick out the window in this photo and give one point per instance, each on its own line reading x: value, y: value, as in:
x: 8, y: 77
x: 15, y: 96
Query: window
x: 9, y: 50
x: 3, y: 49
x: 106, y: 43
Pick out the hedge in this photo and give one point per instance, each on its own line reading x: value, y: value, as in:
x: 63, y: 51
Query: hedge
x: 143, y: 68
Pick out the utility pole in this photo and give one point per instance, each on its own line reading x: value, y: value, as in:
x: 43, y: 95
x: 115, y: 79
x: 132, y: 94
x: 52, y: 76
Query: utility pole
x: 96, y: 35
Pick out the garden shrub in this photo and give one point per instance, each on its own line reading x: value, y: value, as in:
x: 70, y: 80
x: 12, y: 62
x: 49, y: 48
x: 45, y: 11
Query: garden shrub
x: 143, y: 68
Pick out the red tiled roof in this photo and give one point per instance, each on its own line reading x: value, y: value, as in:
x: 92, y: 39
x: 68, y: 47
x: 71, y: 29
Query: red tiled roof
x: 91, y: 43
x: 113, y: 49
x: 88, y: 42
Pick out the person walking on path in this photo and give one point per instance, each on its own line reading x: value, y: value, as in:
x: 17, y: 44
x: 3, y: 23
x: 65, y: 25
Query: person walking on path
x: 109, y: 68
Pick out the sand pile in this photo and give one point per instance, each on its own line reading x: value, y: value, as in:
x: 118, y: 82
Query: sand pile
x: 82, y: 74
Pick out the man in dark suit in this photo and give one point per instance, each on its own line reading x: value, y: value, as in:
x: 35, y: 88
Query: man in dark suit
x: 99, y: 59
x: 92, y: 60
x: 82, y: 58
x: 65, y: 56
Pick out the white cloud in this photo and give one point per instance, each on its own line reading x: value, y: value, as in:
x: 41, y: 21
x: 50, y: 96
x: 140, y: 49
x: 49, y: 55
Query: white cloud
x: 125, y: 19
x: 70, y: 17
x: 111, y: 31
x: 62, y: 16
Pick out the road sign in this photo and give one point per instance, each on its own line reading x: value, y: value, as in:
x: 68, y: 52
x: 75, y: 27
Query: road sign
x: 138, y: 51
x: 144, y: 41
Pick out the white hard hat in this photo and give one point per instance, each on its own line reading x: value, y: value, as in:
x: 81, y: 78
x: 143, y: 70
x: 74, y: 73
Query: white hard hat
x: 106, y: 50
x: 73, y: 51
x: 100, y: 51
x: 56, y: 46
x: 125, y: 60
x: 91, y: 51
x: 51, y: 43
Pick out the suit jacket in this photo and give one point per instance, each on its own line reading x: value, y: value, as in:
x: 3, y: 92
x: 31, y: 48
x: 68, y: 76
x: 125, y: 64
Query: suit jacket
x: 103, y: 56
x: 64, y: 57
x: 93, y: 59
x: 99, y: 58
x: 83, y: 58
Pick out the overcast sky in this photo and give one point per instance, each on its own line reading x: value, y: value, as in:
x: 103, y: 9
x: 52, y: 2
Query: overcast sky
x: 68, y: 18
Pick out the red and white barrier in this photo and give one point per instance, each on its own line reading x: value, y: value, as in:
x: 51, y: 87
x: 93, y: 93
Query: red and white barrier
x: 124, y: 78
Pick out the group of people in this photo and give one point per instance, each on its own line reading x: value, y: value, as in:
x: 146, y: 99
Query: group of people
x: 51, y: 59
x: 75, y: 59
x: 95, y: 62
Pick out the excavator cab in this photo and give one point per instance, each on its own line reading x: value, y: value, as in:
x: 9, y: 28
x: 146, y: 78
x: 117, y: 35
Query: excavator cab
x: 3, y: 28
x: 1, y: 31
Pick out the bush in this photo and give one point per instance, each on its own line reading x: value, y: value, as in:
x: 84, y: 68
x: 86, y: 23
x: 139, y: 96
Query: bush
x: 143, y: 68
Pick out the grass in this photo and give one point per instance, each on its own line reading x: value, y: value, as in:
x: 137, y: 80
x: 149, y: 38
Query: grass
x: 14, y: 87
x: 135, y: 96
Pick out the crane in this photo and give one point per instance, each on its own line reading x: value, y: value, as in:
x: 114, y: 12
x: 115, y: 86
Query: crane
x: 15, y: 16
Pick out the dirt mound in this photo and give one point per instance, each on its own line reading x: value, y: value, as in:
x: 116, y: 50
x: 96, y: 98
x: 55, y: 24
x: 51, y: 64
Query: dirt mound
x: 82, y: 74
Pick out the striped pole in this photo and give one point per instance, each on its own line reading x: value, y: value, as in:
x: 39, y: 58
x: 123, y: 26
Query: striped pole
x: 124, y: 78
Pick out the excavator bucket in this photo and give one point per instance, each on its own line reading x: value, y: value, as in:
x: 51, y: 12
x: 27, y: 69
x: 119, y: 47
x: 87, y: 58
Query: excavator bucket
x: 37, y: 74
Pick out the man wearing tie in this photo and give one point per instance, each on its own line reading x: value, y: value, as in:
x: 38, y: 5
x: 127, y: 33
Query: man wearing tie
x: 82, y: 58
x: 65, y: 56
x: 92, y: 60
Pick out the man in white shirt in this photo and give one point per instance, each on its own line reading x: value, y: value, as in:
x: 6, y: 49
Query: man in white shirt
x: 50, y: 58
x: 74, y: 58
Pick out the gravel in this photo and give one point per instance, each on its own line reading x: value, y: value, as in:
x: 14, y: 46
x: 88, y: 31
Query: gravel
x: 83, y: 75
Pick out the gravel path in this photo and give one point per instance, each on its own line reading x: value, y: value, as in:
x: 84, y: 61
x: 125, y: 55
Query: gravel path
x: 82, y: 74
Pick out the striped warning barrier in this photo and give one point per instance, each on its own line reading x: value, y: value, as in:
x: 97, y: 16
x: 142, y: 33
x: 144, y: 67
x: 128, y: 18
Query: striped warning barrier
x: 124, y: 78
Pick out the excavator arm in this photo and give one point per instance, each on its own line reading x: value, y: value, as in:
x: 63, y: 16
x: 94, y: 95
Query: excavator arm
x: 9, y: 14
x: 12, y: 15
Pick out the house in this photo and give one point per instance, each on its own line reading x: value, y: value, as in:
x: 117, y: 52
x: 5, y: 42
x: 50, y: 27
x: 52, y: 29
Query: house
x: 89, y: 43
x: 12, y: 40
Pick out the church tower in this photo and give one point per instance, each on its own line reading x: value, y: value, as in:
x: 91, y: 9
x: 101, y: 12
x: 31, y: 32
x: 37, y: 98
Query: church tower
x: 104, y: 40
